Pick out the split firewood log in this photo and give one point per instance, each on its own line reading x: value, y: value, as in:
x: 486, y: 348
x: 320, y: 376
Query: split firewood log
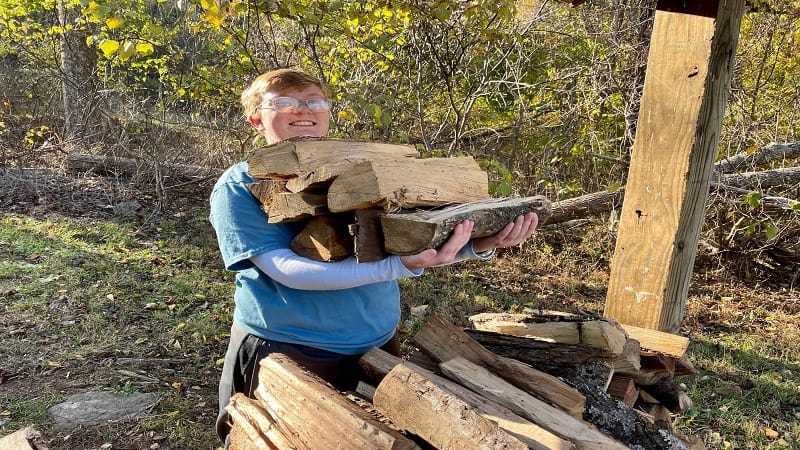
x: 411, y: 183
x: 408, y: 233
x: 378, y: 363
x: 300, y: 156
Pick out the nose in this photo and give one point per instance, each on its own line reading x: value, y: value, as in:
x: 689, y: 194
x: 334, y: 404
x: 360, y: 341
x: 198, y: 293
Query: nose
x: 302, y: 106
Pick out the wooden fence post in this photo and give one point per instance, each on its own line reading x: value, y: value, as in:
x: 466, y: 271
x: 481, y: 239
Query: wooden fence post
x: 686, y: 89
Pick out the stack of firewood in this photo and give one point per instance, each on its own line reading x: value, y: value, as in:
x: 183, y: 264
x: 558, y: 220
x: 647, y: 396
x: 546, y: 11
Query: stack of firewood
x: 372, y: 199
x: 455, y: 393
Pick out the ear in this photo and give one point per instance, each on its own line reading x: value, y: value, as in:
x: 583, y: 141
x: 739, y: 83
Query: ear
x: 256, y: 122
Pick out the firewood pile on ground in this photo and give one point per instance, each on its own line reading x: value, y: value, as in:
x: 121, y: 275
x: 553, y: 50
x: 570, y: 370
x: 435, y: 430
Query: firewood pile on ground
x: 545, y: 381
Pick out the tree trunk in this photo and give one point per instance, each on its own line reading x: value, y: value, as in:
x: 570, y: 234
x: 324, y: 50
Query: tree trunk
x: 78, y: 80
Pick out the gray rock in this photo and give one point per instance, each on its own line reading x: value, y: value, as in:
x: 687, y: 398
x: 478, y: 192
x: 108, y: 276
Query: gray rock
x: 96, y: 407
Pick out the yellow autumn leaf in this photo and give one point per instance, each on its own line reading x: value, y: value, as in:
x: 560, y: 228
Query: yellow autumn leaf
x: 209, y: 5
x: 90, y: 8
x: 144, y: 48
x: 109, y: 47
x: 752, y: 149
x: 113, y: 22
x: 214, y: 18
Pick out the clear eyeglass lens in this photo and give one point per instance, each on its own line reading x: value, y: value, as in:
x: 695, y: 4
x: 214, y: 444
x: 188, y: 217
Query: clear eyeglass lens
x: 289, y: 104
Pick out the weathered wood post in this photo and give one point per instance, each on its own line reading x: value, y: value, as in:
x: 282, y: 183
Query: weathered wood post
x: 685, y: 92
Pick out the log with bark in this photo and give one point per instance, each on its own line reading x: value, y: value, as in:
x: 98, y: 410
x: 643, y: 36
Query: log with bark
x: 377, y: 364
x: 443, y: 341
x: 624, y: 344
x: 412, y: 232
x: 602, y: 333
x: 120, y: 166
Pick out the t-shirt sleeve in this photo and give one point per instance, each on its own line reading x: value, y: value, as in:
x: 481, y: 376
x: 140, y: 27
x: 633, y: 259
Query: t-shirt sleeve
x: 241, y: 226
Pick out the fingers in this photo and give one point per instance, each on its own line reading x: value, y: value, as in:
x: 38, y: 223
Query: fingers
x: 523, y: 228
x: 446, y: 253
x: 512, y: 234
x: 515, y: 232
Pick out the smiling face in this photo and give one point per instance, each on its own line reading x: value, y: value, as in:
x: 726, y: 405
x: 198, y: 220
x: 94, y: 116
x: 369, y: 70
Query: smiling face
x: 277, y: 126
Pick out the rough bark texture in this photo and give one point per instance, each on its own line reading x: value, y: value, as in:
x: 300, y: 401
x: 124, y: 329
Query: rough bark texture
x: 614, y: 417
x: 78, y: 80
x: 543, y: 355
x: 412, y: 232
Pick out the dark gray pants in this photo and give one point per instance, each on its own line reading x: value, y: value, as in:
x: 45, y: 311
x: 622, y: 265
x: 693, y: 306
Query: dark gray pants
x: 240, y: 370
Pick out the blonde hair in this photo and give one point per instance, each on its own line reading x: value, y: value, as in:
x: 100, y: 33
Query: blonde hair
x: 280, y: 79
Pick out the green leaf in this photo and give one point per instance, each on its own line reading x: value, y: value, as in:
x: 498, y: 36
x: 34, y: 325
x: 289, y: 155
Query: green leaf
x: 771, y: 231
x: 753, y: 199
x: 442, y: 13
x: 128, y: 50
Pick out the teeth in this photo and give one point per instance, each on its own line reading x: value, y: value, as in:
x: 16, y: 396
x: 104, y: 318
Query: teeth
x: 303, y: 123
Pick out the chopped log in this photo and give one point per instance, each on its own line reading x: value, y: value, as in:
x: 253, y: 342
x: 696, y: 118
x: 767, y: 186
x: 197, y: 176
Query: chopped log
x: 26, y: 438
x: 239, y: 440
x: 298, y: 156
x: 653, y: 411
x: 312, y: 415
x: 416, y: 403
x: 669, y: 394
x: 378, y: 363
x: 630, y: 360
x: 543, y: 355
x: 368, y: 236
x: 412, y: 232
x: 114, y: 165
x: 410, y: 183
x: 443, y: 342
x: 655, y: 367
x: 319, y: 179
x: 324, y: 238
x: 684, y: 366
x: 658, y: 341
x: 291, y: 207
x: 603, y: 334
x: 422, y: 360
x: 557, y: 421
x: 623, y: 389
x: 252, y: 426
x: 263, y: 190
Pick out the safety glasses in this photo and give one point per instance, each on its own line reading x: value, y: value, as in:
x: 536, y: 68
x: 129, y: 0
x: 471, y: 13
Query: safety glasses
x: 290, y: 104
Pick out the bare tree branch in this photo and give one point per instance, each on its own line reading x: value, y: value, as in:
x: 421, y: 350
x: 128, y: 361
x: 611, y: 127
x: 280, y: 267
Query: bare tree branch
x: 763, y: 155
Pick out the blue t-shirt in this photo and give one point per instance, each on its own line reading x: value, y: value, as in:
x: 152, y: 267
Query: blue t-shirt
x: 347, y: 321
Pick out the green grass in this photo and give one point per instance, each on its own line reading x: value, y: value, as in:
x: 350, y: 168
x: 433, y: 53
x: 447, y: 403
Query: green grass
x: 77, y: 294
